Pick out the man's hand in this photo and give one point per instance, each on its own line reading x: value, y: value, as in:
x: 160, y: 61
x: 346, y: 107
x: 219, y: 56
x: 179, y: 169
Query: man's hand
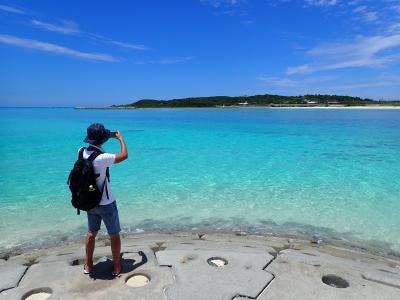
x: 118, y: 135
x: 124, y: 151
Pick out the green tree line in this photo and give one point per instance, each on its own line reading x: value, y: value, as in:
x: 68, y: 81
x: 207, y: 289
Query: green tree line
x: 257, y: 100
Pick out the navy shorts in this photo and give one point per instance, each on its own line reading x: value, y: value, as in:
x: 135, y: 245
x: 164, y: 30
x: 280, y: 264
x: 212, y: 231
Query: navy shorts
x: 108, y: 213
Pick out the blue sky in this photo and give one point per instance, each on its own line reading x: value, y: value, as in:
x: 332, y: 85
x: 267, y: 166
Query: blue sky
x: 68, y: 53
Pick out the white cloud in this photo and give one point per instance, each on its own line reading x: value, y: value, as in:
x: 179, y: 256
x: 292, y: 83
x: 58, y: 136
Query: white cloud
x: 56, y: 49
x: 172, y: 60
x: 364, y: 62
x: 291, y: 83
x: 12, y: 9
x: 166, y: 61
x: 329, y: 85
x: 127, y: 45
x: 219, y: 3
x: 226, y: 7
x: 360, y: 9
x: 70, y: 27
x: 394, y: 28
x: 396, y: 8
x: 117, y: 43
x: 298, y: 70
x: 378, y: 81
x: 372, y: 51
x: 279, y: 82
x: 371, y: 16
x: 65, y: 27
x: 364, y: 13
x: 322, y: 2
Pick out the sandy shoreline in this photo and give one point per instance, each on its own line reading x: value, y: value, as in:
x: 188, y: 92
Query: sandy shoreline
x: 221, y: 266
x: 342, y: 107
x: 378, y: 107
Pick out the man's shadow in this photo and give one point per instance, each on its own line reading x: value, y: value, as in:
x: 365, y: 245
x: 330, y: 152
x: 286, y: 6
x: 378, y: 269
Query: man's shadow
x: 102, y: 270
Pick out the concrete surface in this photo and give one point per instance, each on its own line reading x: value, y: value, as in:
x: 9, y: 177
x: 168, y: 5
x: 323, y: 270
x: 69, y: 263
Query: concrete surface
x: 177, y: 267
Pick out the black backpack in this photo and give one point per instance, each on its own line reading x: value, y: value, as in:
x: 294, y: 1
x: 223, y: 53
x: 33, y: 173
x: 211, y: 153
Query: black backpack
x: 82, y: 182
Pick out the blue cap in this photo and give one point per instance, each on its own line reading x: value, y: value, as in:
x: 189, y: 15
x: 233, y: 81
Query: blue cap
x: 97, y: 134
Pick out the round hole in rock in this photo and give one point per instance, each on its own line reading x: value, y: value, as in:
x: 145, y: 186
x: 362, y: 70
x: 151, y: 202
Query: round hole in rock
x: 38, y: 294
x: 138, y: 280
x: 335, y: 281
x: 217, y: 262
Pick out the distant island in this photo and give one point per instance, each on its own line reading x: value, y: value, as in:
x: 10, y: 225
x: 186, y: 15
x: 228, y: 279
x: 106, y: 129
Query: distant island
x: 266, y: 100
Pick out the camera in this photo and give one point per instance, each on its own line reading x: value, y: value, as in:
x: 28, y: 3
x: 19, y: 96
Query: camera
x: 112, y: 134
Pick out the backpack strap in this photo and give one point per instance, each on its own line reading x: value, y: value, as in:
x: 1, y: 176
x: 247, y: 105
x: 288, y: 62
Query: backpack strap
x: 108, y: 173
x: 105, y: 186
x: 80, y: 154
x: 108, y: 179
x: 92, y: 157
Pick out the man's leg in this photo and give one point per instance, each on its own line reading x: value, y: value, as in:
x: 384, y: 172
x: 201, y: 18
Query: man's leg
x: 90, y: 242
x: 94, y: 221
x: 116, y: 251
x: 111, y: 220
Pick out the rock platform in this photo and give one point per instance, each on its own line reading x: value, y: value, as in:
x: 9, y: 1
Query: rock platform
x: 211, y: 266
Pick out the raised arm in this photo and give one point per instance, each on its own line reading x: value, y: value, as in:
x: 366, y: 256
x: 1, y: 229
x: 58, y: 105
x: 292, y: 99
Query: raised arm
x: 124, y: 151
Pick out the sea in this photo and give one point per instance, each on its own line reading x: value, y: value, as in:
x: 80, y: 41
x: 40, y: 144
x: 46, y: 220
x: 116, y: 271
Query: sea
x: 331, y: 173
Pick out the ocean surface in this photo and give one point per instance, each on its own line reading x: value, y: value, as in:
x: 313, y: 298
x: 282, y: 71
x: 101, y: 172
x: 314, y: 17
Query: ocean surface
x: 334, y: 173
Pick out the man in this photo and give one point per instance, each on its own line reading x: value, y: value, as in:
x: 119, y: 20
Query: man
x: 107, y: 210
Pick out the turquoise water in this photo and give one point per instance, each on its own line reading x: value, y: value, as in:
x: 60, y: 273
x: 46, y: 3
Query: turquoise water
x: 327, y: 172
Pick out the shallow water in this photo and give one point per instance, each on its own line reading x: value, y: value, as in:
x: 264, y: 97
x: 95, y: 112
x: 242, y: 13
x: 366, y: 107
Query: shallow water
x: 328, y: 172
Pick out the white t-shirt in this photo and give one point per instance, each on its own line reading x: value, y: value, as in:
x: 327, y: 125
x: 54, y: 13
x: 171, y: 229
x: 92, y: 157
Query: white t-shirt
x: 100, y: 165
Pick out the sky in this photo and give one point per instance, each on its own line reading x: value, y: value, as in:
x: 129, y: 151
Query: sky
x: 95, y: 53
